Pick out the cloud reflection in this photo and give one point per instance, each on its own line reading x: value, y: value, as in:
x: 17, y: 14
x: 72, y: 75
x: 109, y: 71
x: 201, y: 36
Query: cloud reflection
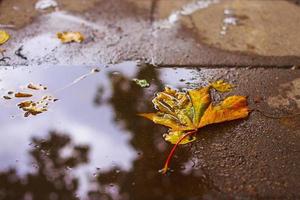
x: 91, y: 149
x: 74, y: 114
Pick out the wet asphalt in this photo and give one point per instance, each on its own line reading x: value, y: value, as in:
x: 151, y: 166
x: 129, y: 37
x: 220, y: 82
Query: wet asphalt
x: 255, y: 158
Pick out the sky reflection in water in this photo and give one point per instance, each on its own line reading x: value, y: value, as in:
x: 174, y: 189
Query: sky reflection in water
x: 74, y: 113
x: 91, y: 112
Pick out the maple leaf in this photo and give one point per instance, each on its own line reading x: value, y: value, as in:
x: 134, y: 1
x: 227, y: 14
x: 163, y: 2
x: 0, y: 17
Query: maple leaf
x: 186, y: 112
x: 4, y: 36
x: 222, y: 86
x: 67, y: 37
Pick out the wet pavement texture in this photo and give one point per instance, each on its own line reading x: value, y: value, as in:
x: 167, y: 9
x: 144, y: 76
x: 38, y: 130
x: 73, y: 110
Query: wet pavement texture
x: 91, y: 144
x: 161, y: 32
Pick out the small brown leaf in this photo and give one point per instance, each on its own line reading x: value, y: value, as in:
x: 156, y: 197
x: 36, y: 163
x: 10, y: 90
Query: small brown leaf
x: 25, y: 104
x: 22, y: 95
x: 36, y: 87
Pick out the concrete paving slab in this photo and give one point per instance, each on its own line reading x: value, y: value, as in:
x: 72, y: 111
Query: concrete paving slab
x: 252, y: 158
x: 260, y: 27
x: 257, y: 159
x: 130, y: 30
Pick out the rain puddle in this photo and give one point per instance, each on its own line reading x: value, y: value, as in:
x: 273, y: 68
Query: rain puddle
x: 89, y: 143
x: 185, y: 10
x: 231, y: 19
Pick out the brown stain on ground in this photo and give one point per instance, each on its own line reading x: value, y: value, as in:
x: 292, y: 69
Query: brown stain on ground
x: 19, y: 13
x: 263, y: 27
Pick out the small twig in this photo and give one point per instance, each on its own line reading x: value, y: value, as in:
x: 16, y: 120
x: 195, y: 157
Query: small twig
x: 93, y: 71
x: 275, y: 117
x: 19, y: 53
x: 4, y: 58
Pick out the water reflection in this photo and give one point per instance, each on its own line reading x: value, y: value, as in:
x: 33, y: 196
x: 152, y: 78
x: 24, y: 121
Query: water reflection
x: 49, y: 179
x: 91, y: 144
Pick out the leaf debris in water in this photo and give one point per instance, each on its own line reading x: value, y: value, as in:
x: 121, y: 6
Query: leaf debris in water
x: 4, y: 36
x: 67, y: 37
x: 7, y: 97
x: 36, y: 107
x: 36, y: 87
x: 23, y: 95
x: 186, y: 112
x: 32, y: 107
x: 141, y: 82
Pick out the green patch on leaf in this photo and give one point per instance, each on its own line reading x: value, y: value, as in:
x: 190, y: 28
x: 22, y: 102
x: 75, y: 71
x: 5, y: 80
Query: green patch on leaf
x: 141, y: 82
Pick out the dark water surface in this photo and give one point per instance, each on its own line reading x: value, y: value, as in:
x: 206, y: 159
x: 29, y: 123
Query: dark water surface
x: 90, y: 144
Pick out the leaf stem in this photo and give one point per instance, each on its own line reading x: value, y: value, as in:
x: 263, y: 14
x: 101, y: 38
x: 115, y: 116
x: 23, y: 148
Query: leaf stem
x: 166, y: 166
x: 275, y: 117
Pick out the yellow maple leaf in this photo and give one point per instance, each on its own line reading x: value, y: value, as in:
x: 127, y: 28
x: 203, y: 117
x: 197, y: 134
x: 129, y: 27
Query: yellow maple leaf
x: 67, y: 37
x: 222, y: 86
x: 4, y: 36
x: 185, y: 112
x: 233, y: 107
x: 174, y: 136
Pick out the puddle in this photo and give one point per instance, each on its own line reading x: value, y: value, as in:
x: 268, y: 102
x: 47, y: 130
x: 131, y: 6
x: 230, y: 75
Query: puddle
x: 90, y: 144
x: 185, y: 10
x: 44, y: 4
x: 236, y: 26
x: 229, y: 20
